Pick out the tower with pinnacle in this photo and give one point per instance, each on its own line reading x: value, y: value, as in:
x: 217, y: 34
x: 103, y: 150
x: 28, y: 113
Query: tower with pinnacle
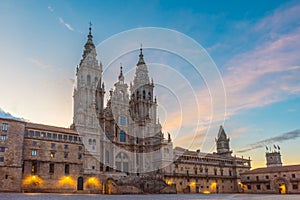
x: 222, y: 142
x: 85, y: 120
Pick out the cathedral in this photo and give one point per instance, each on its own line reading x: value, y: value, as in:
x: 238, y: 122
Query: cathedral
x: 115, y: 148
x: 124, y: 135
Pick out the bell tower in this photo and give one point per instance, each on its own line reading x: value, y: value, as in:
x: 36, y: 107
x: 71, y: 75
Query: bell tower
x: 222, y: 142
x: 142, y: 104
x: 85, y: 121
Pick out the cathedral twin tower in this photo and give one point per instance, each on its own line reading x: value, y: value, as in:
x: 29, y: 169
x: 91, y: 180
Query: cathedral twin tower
x: 123, y: 136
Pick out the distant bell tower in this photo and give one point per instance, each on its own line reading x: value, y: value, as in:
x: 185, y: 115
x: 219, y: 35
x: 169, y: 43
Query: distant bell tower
x: 223, y: 143
x: 273, y: 159
x: 142, y: 106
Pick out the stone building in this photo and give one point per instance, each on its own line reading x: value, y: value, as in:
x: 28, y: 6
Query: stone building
x: 274, y: 178
x: 123, y: 136
x: 199, y: 172
x: 114, y: 148
x: 11, y: 151
x: 52, y: 159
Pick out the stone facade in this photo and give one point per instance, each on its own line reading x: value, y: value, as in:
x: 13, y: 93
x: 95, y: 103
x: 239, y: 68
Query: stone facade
x: 11, y: 151
x: 198, y: 172
x: 274, y: 178
x: 117, y: 148
x: 52, y: 159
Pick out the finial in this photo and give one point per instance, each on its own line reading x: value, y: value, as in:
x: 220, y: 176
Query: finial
x: 90, y: 28
x: 141, y: 60
x: 121, y: 77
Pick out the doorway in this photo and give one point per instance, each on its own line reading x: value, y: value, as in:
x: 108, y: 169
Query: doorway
x: 80, y: 183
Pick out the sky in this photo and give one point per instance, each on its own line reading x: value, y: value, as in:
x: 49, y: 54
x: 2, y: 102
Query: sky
x: 248, y: 53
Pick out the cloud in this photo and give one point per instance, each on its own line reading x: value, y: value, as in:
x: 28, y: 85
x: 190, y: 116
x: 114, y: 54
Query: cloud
x: 50, y: 9
x: 66, y: 24
x: 280, y: 138
x: 40, y: 63
x: 7, y: 115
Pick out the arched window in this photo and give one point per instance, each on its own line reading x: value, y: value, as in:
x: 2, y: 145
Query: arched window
x: 122, y: 136
x: 144, y: 94
x: 94, y: 141
x: 88, y: 79
x: 149, y: 95
x: 90, y: 141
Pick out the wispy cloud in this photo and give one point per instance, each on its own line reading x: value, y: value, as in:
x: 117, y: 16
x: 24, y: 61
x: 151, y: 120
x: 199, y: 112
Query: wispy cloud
x: 280, y: 138
x: 50, y: 9
x: 68, y: 26
x: 40, y: 64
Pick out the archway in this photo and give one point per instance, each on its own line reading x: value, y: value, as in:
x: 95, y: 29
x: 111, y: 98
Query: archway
x: 281, y: 185
x: 282, y: 188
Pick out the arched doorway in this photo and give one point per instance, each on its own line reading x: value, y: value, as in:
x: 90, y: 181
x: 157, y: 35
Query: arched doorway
x: 80, y: 183
x: 282, y: 188
x: 281, y: 185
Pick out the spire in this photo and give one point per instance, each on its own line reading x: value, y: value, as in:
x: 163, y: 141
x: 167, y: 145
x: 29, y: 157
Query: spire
x: 222, y: 135
x: 121, y: 77
x: 89, y: 45
x: 141, y: 60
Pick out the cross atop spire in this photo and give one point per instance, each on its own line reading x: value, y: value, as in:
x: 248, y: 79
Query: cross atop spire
x: 141, y: 59
x: 90, y: 28
x: 121, y: 77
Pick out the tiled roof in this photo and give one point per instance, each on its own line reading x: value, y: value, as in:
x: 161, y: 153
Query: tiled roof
x: 274, y: 169
x: 50, y: 128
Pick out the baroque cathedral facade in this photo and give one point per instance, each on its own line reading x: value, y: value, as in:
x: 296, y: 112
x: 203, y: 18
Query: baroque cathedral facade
x: 115, y: 148
x: 125, y: 135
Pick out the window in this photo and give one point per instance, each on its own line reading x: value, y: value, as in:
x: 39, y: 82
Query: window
x: 52, y: 154
x: 107, y: 135
x: 66, y: 155
x: 90, y: 141
x: 122, y: 136
x: 52, y: 145
x: 34, y: 143
x: 2, y: 149
x: 66, y: 146
x: 215, y: 171
x: 31, y: 133
x: 267, y: 177
x: 293, y: 175
x: 258, y: 187
x: 123, y: 121
x: 222, y: 172
x: 268, y: 187
x: 54, y: 136
x: 70, y: 137
x: 51, y: 168
x: 106, y: 156
x: 94, y: 141
x: 43, y: 134
x: 59, y: 136
x: 88, y: 80
x: 75, y: 138
x: 249, y: 187
x: 67, y: 169
x: 48, y: 135
x: 257, y: 178
x: 1, y: 159
x: 3, y: 137
x: 248, y: 177
x: 37, y: 134
x: 79, y: 148
x: 65, y: 137
x: 34, y: 152
x: 4, y: 127
x: 79, y: 156
x: 230, y: 173
x: 295, y: 186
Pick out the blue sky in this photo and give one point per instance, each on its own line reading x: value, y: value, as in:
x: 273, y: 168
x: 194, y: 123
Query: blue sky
x: 255, y: 46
